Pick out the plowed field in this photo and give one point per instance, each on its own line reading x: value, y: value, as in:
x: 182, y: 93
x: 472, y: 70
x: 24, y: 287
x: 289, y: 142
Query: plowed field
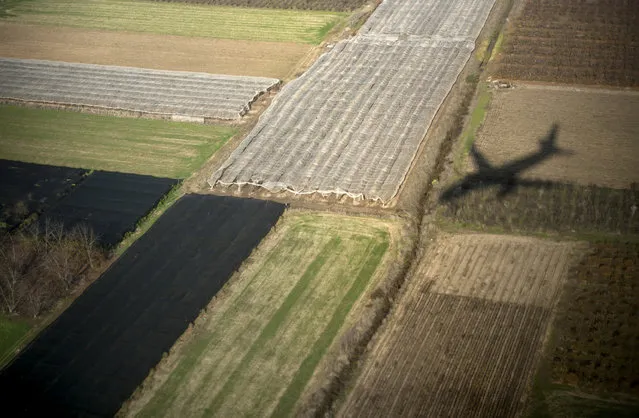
x: 465, y: 336
x: 574, y: 41
x: 599, y: 128
x: 257, y: 346
x: 146, y: 50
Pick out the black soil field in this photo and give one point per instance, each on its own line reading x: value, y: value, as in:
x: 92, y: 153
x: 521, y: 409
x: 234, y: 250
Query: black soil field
x: 110, y: 203
x: 101, y: 348
x: 30, y: 188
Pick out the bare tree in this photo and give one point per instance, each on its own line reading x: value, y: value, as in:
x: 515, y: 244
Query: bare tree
x: 13, y: 265
x: 87, y: 240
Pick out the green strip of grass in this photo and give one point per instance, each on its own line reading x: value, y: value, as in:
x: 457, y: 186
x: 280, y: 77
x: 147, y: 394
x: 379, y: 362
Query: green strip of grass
x: 476, y: 120
x: 12, y: 332
x: 179, y: 19
x: 140, y: 146
x: 275, y: 322
x: 289, y: 398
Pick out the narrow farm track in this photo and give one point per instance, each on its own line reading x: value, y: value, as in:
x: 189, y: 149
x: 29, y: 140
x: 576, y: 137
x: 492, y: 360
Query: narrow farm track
x: 465, y: 337
x: 132, y: 89
x: 353, y: 123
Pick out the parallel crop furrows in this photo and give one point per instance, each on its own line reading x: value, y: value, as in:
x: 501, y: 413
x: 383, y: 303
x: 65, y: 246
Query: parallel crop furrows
x: 133, y: 89
x: 464, y: 338
x: 354, y: 122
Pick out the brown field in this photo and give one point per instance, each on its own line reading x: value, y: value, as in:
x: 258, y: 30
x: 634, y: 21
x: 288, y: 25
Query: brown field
x: 598, y: 127
x: 163, y: 52
x: 592, y: 365
x: 465, y: 336
x: 333, y: 5
x: 597, y: 329
x: 574, y: 41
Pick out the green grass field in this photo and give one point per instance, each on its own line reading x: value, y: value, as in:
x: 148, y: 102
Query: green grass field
x: 178, y: 19
x: 12, y: 331
x: 140, y: 146
x: 260, y: 341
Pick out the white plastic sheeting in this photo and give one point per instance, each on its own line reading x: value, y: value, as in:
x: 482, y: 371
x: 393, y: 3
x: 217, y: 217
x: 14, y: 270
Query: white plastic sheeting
x: 180, y: 93
x: 353, y: 123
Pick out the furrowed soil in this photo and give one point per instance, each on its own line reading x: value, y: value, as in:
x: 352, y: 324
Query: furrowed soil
x: 573, y: 41
x: 465, y: 336
x: 139, y: 146
x: 260, y: 341
x: 592, y: 364
x: 335, y: 5
x: 156, y: 51
x: 598, y: 128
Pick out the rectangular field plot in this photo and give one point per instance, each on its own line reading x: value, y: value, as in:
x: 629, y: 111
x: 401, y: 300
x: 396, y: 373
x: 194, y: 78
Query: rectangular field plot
x: 111, y: 204
x: 170, y: 18
x: 155, y: 92
x: 353, y: 123
x: 337, y: 5
x: 573, y: 41
x: 150, y: 50
x: 255, y: 349
x: 31, y: 188
x: 140, y: 146
x: 446, y: 19
x: 598, y: 128
x: 465, y: 336
x: 102, y: 347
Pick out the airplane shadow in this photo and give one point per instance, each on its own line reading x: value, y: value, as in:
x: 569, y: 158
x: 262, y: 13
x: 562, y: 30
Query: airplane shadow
x: 506, y: 177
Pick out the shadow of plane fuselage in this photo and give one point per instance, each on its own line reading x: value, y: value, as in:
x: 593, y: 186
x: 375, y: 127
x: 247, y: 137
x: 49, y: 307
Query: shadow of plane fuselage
x: 505, y: 176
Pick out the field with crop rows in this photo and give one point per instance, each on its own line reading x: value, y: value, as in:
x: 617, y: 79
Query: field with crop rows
x: 140, y: 146
x: 110, y: 203
x: 169, y: 19
x: 597, y: 128
x: 331, y: 130
x: 574, y: 41
x: 102, y: 347
x: 592, y: 365
x: 335, y: 5
x: 465, y: 335
x: 156, y: 92
x: 258, y: 344
x: 149, y: 50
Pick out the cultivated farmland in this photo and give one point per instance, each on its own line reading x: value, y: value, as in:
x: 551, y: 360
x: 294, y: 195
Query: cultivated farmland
x: 598, y: 127
x: 31, y: 188
x: 169, y: 19
x: 331, y: 131
x: 464, y: 337
x: 109, y: 203
x: 592, y: 363
x: 99, y: 350
x: 260, y: 340
x: 155, y: 92
x: 149, y: 50
x: 140, y: 146
x: 574, y: 41
x: 337, y: 5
